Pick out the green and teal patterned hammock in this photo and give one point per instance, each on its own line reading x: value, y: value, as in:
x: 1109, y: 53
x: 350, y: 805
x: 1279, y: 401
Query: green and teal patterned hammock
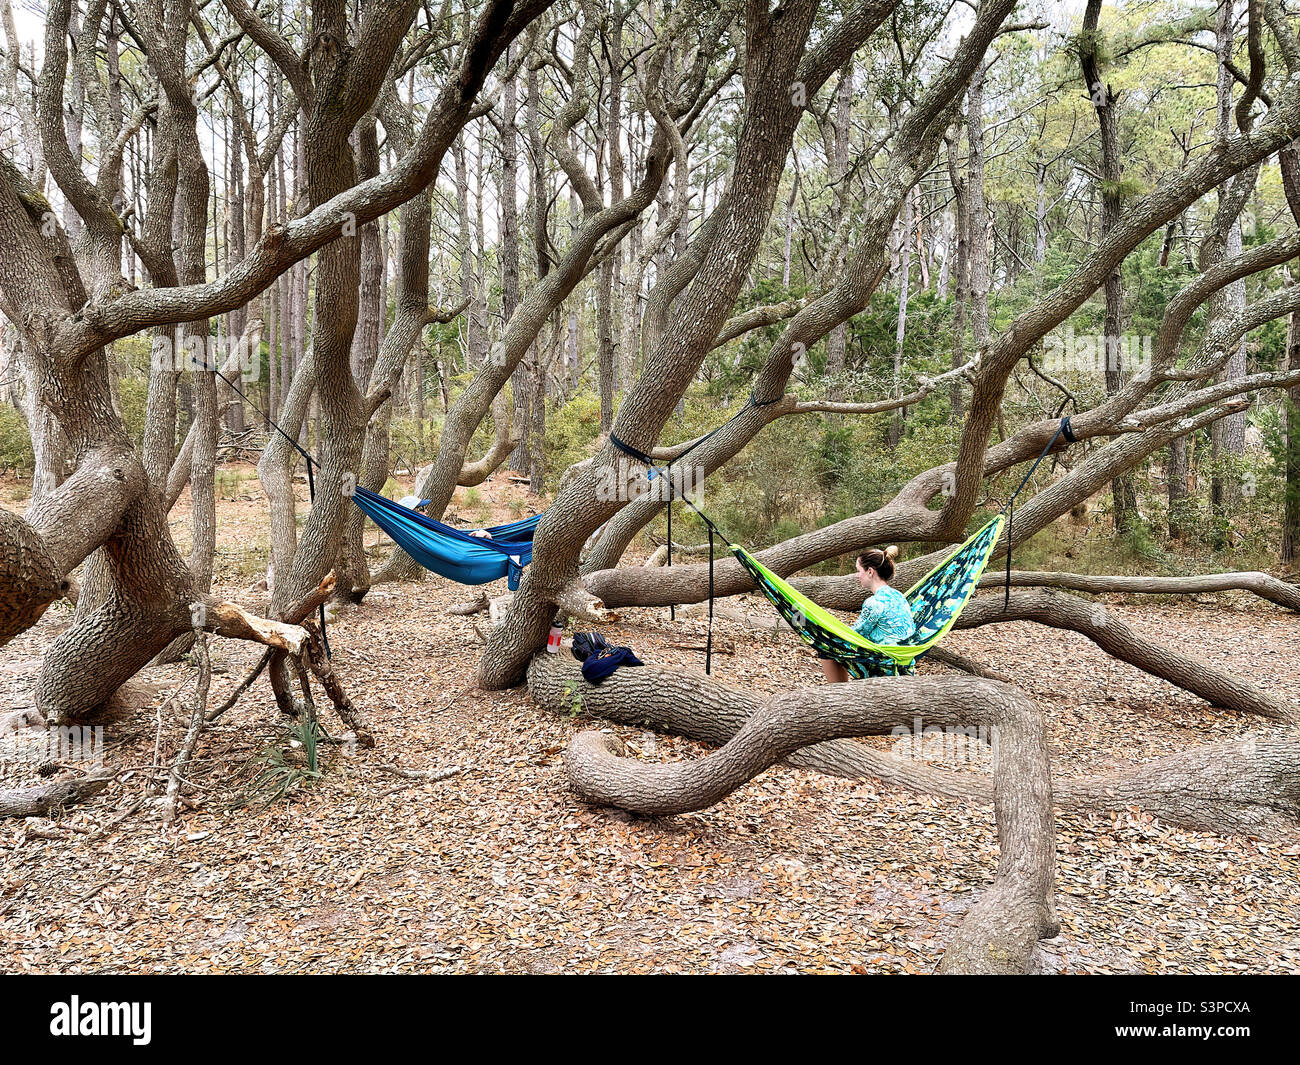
x: 936, y: 600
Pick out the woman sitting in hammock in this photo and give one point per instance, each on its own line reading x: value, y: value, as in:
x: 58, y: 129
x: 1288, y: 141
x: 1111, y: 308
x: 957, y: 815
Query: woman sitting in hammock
x: 886, y: 616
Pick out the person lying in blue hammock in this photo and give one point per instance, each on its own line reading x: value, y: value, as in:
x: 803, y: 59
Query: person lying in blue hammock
x: 886, y: 616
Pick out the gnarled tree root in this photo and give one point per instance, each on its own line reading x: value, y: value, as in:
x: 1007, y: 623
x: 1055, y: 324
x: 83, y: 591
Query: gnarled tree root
x: 1000, y: 931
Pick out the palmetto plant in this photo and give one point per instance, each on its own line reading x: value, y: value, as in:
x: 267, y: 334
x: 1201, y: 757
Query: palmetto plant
x: 286, y: 765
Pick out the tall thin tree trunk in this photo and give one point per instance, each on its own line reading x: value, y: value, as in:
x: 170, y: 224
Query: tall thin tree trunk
x: 1227, y: 435
x: 539, y: 199
x: 904, y: 287
x: 509, y: 198
x: 961, y: 278
x: 74, y: 114
x: 464, y: 252
x: 978, y: 223
x: 1291, y: 437
x: 605, y: 342
x: 1177, y: 472
x: 572, y: 349
x: 607, y: 334
x: 837, y: 342
x: 631, y: 295
x: 271, y: 298
x: 1105, y: 104
x: 788, y: 248
x: 1040, y: 211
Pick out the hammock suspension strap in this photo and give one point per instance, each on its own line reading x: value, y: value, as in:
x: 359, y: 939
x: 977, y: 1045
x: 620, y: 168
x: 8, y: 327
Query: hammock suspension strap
x: 1062, y: 430
x: 667, y: 469
x: 941, y: 598
x: 708, y: 646
x: 311, y: 480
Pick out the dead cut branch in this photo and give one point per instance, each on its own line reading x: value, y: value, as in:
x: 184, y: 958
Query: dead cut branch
x: 318, y: 662
x: 469, y: 607
x: 177, y: 775
x: 41, y: 800
x: 427, y: 775
x: 233, y: 621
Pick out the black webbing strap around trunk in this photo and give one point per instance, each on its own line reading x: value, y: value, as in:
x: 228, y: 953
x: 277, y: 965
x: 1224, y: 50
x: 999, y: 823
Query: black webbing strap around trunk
x: 708, y: 645
x: 311, y: 479
x: 654, y: 469
x: 1062, y: 430
x: 667, y: 469
x: 672, y: 607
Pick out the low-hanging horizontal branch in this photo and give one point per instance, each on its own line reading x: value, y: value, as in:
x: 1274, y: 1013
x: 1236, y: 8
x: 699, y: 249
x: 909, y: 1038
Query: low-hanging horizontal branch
x: 1264, y: 585
x: 1061, y: 610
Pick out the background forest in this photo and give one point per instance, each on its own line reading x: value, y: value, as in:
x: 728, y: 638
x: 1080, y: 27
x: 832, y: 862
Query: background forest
x: 984, y: 231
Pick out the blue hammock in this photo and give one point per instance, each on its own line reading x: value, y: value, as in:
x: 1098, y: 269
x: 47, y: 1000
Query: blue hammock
x: 451, y: 552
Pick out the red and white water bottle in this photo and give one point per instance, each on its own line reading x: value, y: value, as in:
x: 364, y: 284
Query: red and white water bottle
x: 553, y: 640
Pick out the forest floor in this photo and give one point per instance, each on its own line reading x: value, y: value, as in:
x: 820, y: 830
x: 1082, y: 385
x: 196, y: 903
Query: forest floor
x: 501, y: 868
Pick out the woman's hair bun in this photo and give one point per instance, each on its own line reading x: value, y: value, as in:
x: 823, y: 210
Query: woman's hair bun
x: 891, y: 551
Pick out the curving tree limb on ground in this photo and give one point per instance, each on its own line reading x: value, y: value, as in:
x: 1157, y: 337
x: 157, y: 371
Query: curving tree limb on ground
x: 1001, y: 929
x: 1249, y: 786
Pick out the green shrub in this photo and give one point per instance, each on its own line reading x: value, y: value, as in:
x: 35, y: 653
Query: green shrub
x: 133, y: 400
x: 15, y: 441
x: 409, y: 446
x: 230, y: 481
x: 571, y: 430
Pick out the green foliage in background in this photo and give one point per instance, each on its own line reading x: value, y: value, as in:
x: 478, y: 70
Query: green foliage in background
x: 15, y: 442
x: 571, y: 429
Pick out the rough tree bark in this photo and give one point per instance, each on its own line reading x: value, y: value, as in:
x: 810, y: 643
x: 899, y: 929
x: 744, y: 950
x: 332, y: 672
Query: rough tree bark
x: 915, y: 145
x: 1246, y: 786
x: 773, y: 56
x: 1002, y: 927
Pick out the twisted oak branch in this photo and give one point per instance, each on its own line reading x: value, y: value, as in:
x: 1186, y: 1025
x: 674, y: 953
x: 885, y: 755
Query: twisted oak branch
x: 1248, y: 786
x: 1000, y: 930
